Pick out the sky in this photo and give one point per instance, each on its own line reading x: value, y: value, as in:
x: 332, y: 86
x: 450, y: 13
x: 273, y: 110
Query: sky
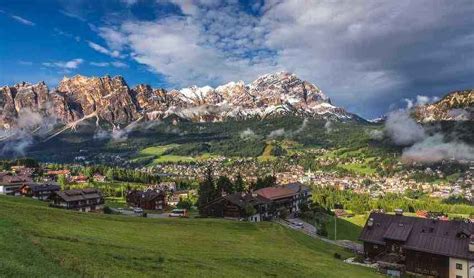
x: 367, y: 56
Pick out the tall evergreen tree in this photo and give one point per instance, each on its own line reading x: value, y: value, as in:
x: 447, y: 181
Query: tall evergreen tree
x: 224, y: 184
x: 239, y: 185
x: 207, y: 190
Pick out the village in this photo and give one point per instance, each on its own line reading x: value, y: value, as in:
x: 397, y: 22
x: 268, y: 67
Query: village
x: 287, y: 171
x: 391, y: 242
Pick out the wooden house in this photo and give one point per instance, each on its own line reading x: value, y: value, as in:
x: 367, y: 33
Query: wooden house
x: 78, y: 199
x: 10, y: 184
x: 149, y: 199
x: 236, y: 206
x: 423, y: 246
x: 39, y: 191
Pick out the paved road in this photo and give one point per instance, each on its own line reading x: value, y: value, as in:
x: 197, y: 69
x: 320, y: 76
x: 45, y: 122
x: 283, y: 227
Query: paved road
x: 129, y: 212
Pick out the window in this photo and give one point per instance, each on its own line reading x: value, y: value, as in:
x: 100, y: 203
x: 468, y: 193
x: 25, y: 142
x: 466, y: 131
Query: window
x: 459, y: 266
x: 458, y: 276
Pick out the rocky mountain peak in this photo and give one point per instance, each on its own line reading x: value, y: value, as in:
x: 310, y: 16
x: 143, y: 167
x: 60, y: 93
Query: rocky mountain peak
x: 113, y: 101
x: 455, y: 106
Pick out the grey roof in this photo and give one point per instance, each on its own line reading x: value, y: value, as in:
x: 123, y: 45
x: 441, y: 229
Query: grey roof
x: 244, y: 199
x: 448, y: 238
x: 44, y: 187
x: 398, y: 231
x: 79, y: 194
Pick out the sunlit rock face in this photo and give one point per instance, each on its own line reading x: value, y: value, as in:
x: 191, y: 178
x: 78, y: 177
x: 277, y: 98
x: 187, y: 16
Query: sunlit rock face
x: 113, y: 101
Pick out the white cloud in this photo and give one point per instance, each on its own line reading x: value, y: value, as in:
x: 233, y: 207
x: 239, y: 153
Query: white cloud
x: 360, y: 52
x: 100, y: 64
x: 116, y: 64
x: 22, y: 20
x: 72, y: 64
x: 103, y: 50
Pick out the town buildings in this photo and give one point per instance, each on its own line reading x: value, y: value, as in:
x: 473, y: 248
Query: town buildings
x: 263, y: 204
x: 429, y: 247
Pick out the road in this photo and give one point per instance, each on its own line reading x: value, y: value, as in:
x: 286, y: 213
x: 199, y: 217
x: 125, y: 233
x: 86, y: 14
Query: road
x: 129, y: 212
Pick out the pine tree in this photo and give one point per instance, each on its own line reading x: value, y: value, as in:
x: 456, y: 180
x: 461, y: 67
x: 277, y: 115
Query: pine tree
x: 207, y: 190
x: 239, y: 185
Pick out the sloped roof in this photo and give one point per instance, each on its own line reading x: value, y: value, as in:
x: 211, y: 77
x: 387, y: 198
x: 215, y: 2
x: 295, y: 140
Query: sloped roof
x: 79, y: 194
x: 421, y: 234
x: 274, y: 193
x: 297, y: 187
x: 44, y: 187
x: 244, y: 199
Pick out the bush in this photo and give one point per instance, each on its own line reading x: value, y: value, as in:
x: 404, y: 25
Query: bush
x: 337, y: 256
x: 107, y: 210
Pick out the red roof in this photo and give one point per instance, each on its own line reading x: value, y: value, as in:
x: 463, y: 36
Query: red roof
x: 274, y: 193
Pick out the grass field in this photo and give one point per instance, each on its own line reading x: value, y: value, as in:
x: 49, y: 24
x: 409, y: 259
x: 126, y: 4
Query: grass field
x: 347, y: 227
x: 47, y: 242
x: 267, y: 153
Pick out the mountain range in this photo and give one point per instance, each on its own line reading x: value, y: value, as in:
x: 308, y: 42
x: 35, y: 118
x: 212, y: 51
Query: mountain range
x: 110, y: 99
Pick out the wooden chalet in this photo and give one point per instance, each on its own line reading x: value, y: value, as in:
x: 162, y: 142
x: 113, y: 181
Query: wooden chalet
x: 280, y: 197
x: 78, y: 199
x: 39, y: 191
x: 10, y: 184
x: 236, y: 206
x: 428, y: 247
x: 149, y: 199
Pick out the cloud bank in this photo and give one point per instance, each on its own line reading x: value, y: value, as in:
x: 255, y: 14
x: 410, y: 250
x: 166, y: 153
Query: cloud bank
x: 361, y: 52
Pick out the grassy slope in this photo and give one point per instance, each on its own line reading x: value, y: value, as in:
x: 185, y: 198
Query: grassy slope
x: 56, y: 243
x: 347, y: 227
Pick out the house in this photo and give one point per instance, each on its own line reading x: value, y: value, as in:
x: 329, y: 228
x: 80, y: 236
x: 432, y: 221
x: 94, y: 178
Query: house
x: 280, y: 197
x: 9, y: 184
x: 78, y: 179
x: 176, y: 196
x: 149, y: 199
x: 78, y: 199
x: 236, y: 206
x: 39, y: 191
x: 303, y: 193
x: 98, y: 178
x: 55, y: 173
x: 163, y: 186
x: 428, y: 247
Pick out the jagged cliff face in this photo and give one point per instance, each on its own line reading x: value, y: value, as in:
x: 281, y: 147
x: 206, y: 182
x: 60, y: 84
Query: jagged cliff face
x: 113, y: 101
x: 456, y: 106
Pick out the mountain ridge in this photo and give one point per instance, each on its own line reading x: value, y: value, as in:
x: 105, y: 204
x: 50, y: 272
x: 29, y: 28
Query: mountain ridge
x: 116, y: 103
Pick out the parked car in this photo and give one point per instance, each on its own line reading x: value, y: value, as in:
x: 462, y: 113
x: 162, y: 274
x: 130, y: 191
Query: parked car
x: 179, y: 213
x: 138, y: 210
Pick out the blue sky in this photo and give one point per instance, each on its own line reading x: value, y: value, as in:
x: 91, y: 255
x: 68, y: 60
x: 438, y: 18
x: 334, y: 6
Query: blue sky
x: 368, y: 56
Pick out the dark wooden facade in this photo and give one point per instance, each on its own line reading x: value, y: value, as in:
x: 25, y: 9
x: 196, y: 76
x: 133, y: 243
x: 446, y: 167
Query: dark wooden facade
x: 39, y: 191
x: 417, y: 245
x: 150, y: 199
x: 427, y: 264
x: 234, y: 206
x: 78, y: 199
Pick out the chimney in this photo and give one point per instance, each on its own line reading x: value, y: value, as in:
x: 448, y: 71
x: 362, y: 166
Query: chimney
x: 398, y: 212
x: 370, y: 223
x: 471, y: 244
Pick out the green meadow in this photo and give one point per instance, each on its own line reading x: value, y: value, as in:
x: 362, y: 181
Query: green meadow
x: 38, y: 241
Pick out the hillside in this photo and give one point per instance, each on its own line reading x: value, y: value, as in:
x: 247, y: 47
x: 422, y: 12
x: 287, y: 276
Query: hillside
x: 49, y: 242
x: 455, y: 106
